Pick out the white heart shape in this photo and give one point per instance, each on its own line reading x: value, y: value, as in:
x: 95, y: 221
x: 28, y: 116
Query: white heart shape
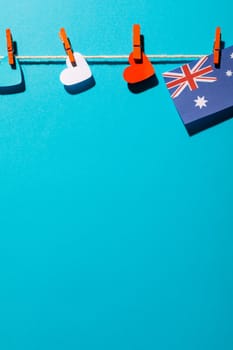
x: 78, y: 74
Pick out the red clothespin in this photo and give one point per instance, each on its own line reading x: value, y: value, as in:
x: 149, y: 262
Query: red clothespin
x: 217, y: 46
x: 10, y: 47
x: 67, y: 46
x: 137, y: 46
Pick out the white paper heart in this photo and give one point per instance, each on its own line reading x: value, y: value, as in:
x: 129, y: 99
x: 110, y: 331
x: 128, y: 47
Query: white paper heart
x: 78, y: 74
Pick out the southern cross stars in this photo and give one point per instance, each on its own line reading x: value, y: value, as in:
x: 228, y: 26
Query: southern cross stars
x: 229, y: 73
x: 232, y: 55
x: 200, y: 102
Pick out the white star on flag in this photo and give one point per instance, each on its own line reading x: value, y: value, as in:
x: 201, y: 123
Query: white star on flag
x: 229, y: 73
x: 200, y: 102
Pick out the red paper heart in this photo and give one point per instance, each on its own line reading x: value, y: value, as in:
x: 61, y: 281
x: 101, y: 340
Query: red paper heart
x: 138, y: 72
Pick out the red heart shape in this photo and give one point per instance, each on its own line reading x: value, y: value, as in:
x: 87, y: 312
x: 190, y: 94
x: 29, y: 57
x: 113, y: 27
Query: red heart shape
x: 138, y: 72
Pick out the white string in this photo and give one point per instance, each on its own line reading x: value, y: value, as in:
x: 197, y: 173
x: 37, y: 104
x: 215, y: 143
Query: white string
x: 108, y: 57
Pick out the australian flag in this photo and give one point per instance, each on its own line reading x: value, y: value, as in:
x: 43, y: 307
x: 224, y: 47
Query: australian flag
x: 201, y: 92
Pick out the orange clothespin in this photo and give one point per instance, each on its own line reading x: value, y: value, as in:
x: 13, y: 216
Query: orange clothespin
x: 67, y: 46
x: 137, y: 46
x: 217, y: 46
x: 10, y: 47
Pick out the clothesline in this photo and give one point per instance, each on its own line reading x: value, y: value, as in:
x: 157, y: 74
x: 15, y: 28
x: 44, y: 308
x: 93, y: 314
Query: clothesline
x: 108, y: 57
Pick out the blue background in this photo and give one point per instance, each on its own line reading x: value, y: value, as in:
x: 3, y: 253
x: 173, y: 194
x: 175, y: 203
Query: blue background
x: 115, y: 225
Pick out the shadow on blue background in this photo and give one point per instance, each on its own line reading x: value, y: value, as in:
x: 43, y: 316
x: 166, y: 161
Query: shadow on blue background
x: 144, y: 85
x: 80, y: 87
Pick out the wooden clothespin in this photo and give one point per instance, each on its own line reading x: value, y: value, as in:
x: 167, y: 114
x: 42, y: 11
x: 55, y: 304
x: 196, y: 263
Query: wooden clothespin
x: 217, y: 47
x: 67, y: 46
x: 137, y: 45
x: 10, y: 47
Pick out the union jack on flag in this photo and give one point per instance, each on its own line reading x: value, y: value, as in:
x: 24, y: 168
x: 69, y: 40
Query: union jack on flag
x: 201, y: 92
x: 189, y: 77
